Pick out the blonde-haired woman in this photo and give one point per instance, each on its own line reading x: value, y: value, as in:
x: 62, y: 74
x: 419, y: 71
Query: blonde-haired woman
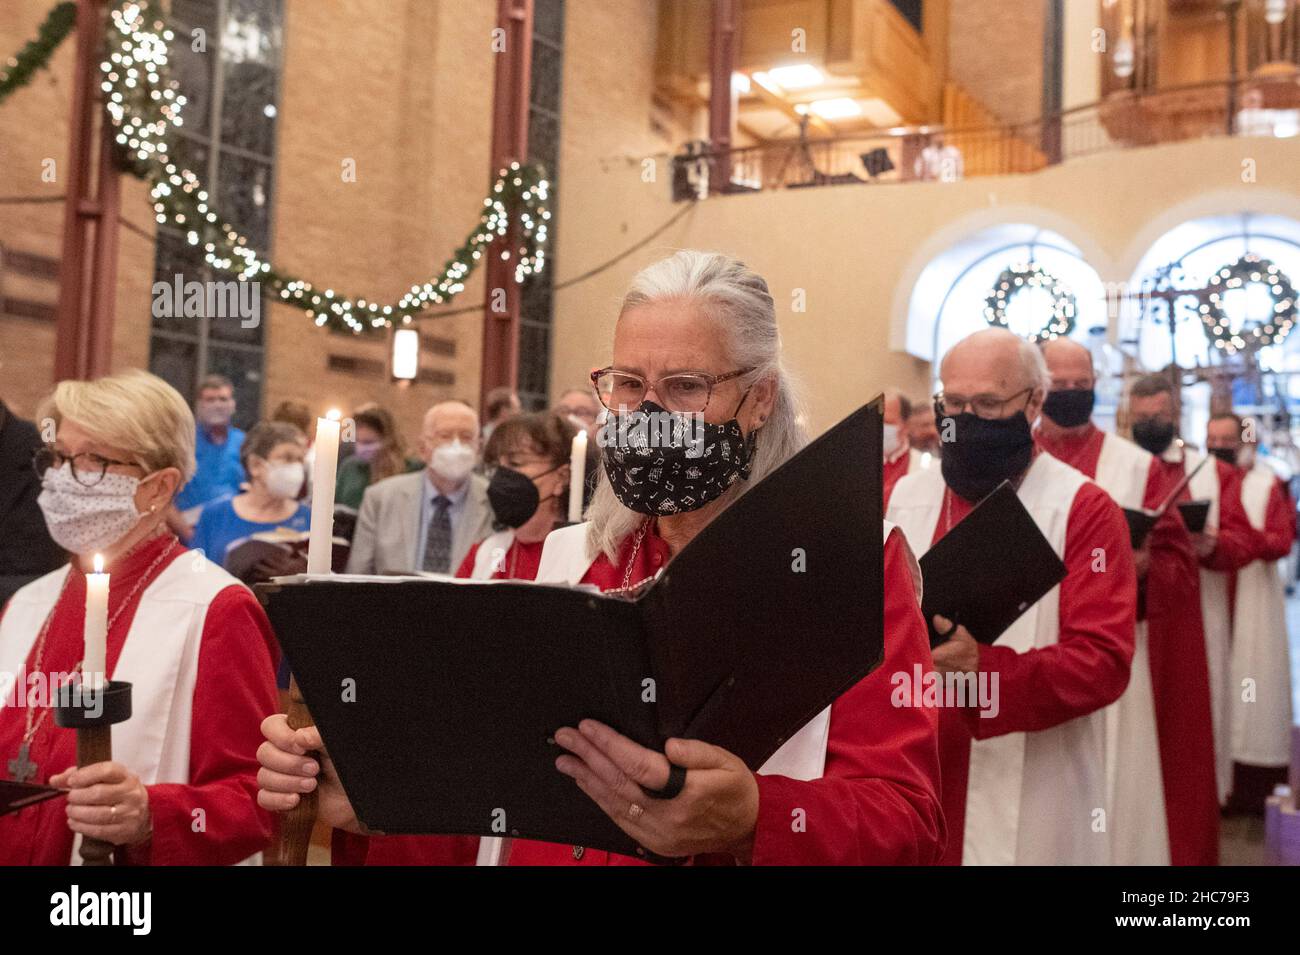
x: 192, y: 640
x: 697, y: 331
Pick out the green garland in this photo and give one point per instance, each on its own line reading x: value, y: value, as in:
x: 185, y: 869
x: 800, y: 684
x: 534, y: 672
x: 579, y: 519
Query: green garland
x: 1013, y: 281
x: 1270, y: 331
x: 20, y: 69
x: 144, y: 107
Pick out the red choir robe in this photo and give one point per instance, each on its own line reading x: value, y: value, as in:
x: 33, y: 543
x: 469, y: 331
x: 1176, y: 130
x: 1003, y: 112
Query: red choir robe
x: 1179, y: 674
x: 903, y: 461
x: 878, y: 800
x: 1044, y: 687
x: 233, y: 692
x: 1253, y: 782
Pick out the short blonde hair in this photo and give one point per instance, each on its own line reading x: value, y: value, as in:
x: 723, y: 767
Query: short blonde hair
x: 135, y: 411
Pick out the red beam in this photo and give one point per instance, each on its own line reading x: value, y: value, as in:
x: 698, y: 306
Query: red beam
x: 509, y: 144
x: 88, y: 266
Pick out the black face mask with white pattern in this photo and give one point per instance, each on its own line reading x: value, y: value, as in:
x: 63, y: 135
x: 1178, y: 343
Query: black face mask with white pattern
x: 682, y: 474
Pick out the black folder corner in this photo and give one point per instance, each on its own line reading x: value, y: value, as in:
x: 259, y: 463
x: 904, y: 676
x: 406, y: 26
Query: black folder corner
x: 763, y: 620
x: 15, y: 796
x: 1140, y: 523
x: 989, y: 569
x: 1195, y: 514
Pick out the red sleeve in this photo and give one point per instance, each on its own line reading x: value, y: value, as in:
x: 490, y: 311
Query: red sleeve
x: 878, y: 800
x: 1088, y: 667
x: 215, y: 819
x: 1238, y: 543
x: 350, y: 849
x: 1279, y: 524
x: 467, y: 565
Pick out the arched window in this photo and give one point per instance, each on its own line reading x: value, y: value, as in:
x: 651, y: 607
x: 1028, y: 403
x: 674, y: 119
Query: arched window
x: 950, y: 297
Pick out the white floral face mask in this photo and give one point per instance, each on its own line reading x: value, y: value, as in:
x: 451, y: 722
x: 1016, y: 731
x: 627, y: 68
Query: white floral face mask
x: 83, y: 519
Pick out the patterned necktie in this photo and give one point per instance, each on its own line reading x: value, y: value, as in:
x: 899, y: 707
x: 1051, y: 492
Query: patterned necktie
x: 437, y: 541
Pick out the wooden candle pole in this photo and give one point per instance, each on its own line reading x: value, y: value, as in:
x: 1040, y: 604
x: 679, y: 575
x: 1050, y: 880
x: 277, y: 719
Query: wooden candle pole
x: 294, y: 828
x: 95, y: 745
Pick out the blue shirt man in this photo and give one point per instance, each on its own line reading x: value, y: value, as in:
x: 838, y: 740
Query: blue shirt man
x: 216, y: 447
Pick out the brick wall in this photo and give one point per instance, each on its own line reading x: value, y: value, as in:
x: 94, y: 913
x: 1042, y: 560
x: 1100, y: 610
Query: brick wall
x: 995, y: 51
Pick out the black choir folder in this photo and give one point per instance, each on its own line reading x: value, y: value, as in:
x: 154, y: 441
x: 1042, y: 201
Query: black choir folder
x: 768, y: 615
x: 989, y: 569
x: 15, y: 796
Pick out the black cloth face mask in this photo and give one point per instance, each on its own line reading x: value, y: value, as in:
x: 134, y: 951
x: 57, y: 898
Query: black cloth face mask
x: 1226, y: 455
x: 514, y: 496
x: 984, y: 452
x: 1070, y: 408
x: 1152, y: 435
x: 658, y: 462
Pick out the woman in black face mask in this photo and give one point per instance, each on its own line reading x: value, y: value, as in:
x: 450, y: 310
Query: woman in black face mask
x: 528, y: 492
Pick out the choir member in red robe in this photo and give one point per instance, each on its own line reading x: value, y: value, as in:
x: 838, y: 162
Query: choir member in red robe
x: 1138, y: 814
x: 697, y: 333
x: 900, y: 457
x: 1024, y: 778
x: 1260, y: 731
x: 192, y: 640
x: 1180, y: 673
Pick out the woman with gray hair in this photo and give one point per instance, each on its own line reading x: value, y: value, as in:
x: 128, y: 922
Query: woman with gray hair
x: 193, y: 642
x: 697, y: 357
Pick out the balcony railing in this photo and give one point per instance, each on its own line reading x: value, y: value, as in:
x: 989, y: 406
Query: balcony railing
x: 1254, y: 107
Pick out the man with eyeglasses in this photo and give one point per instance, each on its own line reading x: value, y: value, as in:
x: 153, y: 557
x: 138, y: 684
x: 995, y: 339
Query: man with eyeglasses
x: 900, y: 457
x: 1025, y: 784
x: 1159, y: 764
x: 26, y: 549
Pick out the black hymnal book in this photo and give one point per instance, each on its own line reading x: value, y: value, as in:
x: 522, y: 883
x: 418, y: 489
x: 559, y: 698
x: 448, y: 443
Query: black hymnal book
x: 437, y: 699
x: 15, y: 796
x: 989, y: 569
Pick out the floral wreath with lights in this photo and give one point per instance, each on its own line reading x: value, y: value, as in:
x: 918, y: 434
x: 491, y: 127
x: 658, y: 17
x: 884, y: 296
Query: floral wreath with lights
x: 1014, y: 280
x: 1248, y: 269
x: 144, y: 106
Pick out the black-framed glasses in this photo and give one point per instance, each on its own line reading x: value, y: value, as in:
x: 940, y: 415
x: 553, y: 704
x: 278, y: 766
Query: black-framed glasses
x: 983, y: 406
x: 88, y: 468
x: 684, y: 393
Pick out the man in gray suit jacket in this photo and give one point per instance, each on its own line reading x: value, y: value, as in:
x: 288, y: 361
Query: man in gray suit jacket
x: 427, y: 520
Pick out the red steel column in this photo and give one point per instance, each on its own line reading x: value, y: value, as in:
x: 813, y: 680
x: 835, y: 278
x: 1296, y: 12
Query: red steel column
x: 88, y: 265
x: 509, y: 144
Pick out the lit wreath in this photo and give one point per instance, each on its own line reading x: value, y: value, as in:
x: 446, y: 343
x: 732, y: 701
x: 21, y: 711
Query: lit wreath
x: 1272, y: 331
x: 1014, y: 280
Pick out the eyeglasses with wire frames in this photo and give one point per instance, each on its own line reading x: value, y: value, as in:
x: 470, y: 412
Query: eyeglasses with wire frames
x: 683, y: 393
x: 983, y: 406
x: 88, y: 468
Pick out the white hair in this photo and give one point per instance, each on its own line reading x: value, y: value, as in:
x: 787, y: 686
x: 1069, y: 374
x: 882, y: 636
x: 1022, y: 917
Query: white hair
x: 735, y: 298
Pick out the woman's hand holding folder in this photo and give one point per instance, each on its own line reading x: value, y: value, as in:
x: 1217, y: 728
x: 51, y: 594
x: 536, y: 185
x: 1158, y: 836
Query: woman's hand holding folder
x: 288, y: 771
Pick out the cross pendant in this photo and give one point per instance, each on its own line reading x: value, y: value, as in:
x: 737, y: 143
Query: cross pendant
x: 21, y: 767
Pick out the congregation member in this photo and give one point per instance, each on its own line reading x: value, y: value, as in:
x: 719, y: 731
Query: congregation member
x: 1024, y: 779
x: 697, y: 333
x: 217, y: 442
x: 272, y: 456
x: 379, y: 452
x: 581, y: 407
x: 26, y: 548
x: 1137, y: 809
x: 426, y: 520
x: 922, y: 433
x: 1259, y: 672
x: 900, y: 457
x: 529, y: 494
x: 297, y: 413
x: 1179, y: 651
x: 193, y: 642
x: 500, y: 404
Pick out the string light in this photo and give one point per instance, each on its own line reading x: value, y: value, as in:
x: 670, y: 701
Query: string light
x: 145, y: 109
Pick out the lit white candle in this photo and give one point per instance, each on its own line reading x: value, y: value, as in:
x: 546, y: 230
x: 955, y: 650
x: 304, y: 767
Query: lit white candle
x: 95, y: 657
x: 320, y: 546
x: 577, y: 474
